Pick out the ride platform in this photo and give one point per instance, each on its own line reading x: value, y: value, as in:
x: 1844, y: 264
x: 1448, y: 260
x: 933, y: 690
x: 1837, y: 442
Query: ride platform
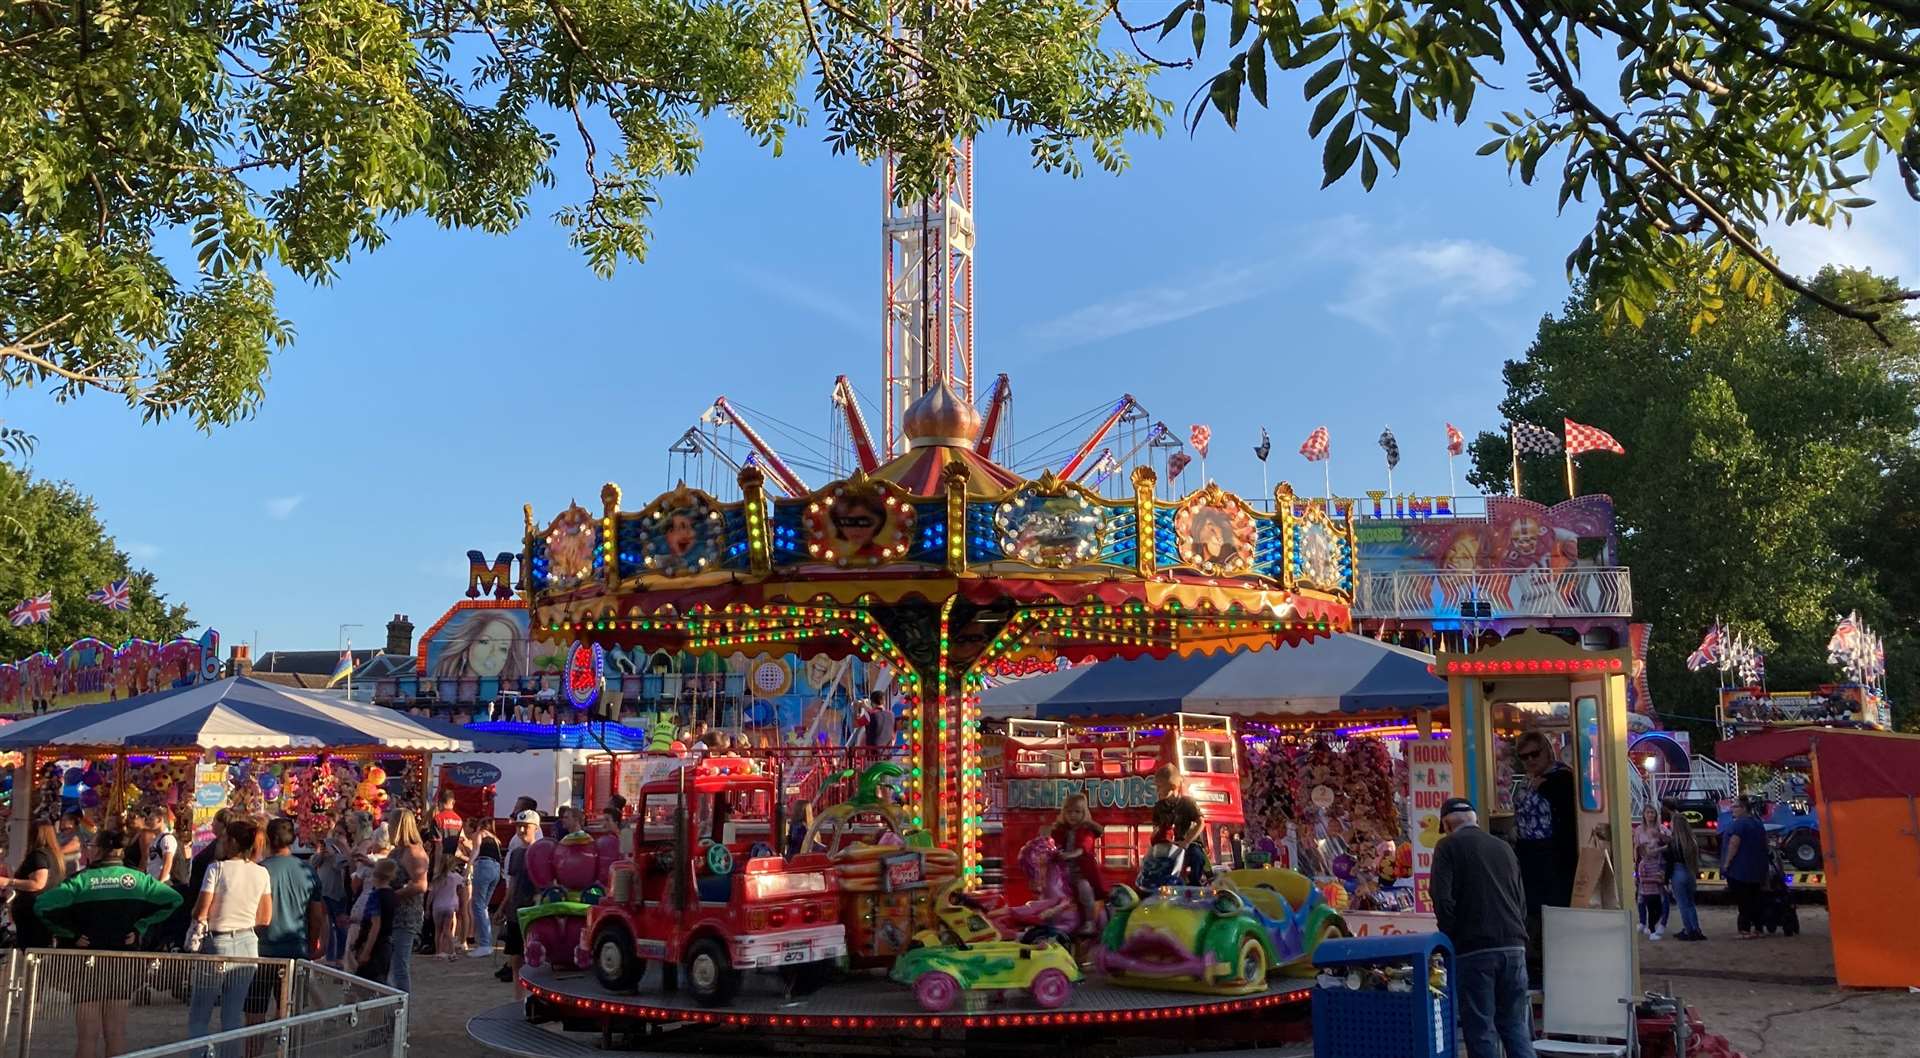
x: 875, y: 1015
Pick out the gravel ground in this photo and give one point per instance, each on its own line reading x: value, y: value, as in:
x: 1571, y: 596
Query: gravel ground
x: 1773, y: 998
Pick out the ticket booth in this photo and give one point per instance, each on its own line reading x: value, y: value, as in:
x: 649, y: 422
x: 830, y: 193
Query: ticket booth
x: 1576, y: 697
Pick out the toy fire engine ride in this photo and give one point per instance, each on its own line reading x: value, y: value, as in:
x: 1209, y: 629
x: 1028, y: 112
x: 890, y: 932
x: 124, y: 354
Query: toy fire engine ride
x: 1045, y: 762
x: 707, y: 896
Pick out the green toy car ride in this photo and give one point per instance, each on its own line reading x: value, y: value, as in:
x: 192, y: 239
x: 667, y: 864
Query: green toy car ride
x: 939, y: 974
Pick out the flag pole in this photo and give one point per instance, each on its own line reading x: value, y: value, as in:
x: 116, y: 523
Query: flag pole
x: 1451, y: 494
x: 1569, y: 455
x: 1514, y: 447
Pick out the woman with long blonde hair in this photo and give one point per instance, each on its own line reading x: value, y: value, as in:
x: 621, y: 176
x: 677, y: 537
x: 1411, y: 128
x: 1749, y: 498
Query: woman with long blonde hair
x: 40, y: 869
x: 410, y: 892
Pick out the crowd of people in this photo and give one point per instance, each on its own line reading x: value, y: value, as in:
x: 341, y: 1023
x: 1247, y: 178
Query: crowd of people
x: 372, y: 894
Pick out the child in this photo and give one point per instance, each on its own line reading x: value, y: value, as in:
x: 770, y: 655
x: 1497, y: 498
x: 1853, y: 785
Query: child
x: 446, y: 896
x: 371, y: 851
x: 373, y: 956
x: 1078, y: 837
x: 1650, y: 870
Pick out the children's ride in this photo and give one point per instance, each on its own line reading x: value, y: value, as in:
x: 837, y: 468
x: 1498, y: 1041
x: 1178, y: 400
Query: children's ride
x: 938, y: 975
x: 1186, y: 938
x: 886, y: 872
x: 1056, y: 910
x: 705, y: 894
x: 1045, y: 763
x: 1293, y: 910
x: 571, y: 876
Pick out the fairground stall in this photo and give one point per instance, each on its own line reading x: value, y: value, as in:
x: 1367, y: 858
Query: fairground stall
x: 940, y: 565
x: 1868, y: 783
x: 237, y: 742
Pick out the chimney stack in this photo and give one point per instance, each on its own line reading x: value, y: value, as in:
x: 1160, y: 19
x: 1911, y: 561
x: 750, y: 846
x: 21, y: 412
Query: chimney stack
x: 400, y: 635
x: 240, y: 660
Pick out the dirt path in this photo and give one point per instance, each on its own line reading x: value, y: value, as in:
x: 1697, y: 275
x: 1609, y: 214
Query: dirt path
x: 1776, y: 997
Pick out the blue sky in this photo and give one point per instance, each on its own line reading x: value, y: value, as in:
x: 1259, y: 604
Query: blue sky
x: 451, y: 377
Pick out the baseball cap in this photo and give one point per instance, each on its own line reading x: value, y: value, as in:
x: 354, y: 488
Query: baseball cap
x: 528, y: 816
x: 1455, y: 804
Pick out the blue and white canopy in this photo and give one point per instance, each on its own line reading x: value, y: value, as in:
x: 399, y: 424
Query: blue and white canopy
x: 235, y: 713
x: 1339, y: 674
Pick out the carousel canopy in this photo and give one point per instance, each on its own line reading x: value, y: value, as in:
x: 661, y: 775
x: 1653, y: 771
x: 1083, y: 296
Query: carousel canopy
x: 1341, y: 674
x: 235, y: 713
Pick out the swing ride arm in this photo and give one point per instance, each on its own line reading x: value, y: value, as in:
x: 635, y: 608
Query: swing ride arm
x: 996, y: 403
x: 1125, y: 404
x: 863, y: 449
x: 776, y: 467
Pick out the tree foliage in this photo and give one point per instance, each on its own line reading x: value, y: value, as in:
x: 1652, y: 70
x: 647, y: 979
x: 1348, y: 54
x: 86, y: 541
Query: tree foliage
x: 295, y: 132
x: 1703, y: 121
x: 1770, y: 476
x: 51, y: 539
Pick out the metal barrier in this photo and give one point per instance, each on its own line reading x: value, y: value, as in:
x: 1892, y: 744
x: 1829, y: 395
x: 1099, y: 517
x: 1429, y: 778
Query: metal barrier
x: 1494, y: 594
x: 149, y: 1005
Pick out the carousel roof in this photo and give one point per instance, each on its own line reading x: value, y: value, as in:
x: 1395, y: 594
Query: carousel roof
x: 234, y: 713
x: 940, y: 428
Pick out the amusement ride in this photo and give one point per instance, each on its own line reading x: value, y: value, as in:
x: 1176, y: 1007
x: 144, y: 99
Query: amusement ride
x: 939, y: 563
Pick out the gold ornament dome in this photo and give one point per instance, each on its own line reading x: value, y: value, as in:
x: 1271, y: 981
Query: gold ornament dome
x: 940, y: 418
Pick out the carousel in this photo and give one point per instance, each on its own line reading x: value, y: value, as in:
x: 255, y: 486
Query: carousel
x: 943, y: 567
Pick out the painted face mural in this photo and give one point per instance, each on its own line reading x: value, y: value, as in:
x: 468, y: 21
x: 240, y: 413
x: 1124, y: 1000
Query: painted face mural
x: 480, y: 644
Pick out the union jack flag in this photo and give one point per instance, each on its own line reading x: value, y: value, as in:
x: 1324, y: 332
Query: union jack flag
x: 1712, y: 649
x: 1317, y: 446
x: 1199, y: 436
x: 114, y: 596
x: 36, y: 610
x: 1456, y: 444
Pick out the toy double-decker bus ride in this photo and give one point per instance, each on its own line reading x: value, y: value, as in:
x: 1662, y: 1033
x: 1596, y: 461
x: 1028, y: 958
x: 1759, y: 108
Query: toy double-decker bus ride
x: 1041, y: 763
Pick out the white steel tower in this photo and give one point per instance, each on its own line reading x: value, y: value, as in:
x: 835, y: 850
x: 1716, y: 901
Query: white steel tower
x: 929, y: 291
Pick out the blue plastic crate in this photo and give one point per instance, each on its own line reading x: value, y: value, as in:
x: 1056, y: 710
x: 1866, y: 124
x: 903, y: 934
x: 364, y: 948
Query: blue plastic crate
x: 1382, y: 1024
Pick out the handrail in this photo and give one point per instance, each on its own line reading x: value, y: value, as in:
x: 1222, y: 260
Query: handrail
x: 1494, y: 594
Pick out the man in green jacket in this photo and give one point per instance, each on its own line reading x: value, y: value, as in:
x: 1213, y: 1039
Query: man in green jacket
x: 105, y: 908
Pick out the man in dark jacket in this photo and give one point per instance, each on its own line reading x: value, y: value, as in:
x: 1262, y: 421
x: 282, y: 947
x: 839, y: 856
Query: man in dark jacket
x: 106, y: 908
x: 1478, y: 899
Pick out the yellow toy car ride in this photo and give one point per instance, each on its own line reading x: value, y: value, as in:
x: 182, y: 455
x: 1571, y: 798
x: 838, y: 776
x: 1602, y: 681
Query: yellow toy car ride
x: 939, y: 974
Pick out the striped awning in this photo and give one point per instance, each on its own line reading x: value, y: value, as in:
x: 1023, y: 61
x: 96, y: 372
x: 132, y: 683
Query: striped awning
x: 235, y: 713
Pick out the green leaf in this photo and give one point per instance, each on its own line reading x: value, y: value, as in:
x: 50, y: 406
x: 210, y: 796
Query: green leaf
x: 1340, y: 152
x: 1257, y: 70
x: 1172, y: 21
x: 1199, y: 30
x: 1369, y: 169
x: 1225, y: 93
x: 1242, y: 16
x: 1318, y: 81
x: 1312, y: 53
x: 1325, y: 112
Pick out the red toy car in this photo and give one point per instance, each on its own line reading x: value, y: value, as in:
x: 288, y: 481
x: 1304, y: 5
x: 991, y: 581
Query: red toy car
x: 706, y: 894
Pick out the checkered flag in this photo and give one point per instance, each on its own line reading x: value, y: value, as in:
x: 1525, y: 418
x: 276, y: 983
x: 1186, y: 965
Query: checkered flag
x: 1582, y: 438
x: 1529, y: 439
x: 1391, y: 447
x: 1456, y: 443
x: 1200, y: 437
x: 1317, y: 446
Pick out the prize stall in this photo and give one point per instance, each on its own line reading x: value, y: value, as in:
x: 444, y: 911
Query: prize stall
x: 237, y: 742
x: 944, y: 567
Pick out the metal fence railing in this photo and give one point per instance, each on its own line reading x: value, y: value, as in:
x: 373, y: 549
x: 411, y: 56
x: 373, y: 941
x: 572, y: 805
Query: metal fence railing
x: 150, y: 1005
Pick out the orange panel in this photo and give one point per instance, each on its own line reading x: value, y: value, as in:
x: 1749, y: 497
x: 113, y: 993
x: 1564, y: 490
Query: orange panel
x: 1875, y: 857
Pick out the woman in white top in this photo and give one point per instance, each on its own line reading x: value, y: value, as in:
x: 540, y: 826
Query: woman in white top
x: 234, y: 902
x: 164, y: 848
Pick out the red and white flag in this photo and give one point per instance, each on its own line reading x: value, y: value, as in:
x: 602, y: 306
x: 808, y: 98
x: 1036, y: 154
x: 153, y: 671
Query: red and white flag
x: 1198, y: 436
x: 1590, y: 439
x: 1317, y: 446
x: 1176, y: 463
x: 36, y: 610
x: 1456, y: 444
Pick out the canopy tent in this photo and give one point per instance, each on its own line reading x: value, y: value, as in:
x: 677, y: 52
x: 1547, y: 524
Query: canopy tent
x: 1344, y: 673
x: 1866, y: 789
x: 237, y: 713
